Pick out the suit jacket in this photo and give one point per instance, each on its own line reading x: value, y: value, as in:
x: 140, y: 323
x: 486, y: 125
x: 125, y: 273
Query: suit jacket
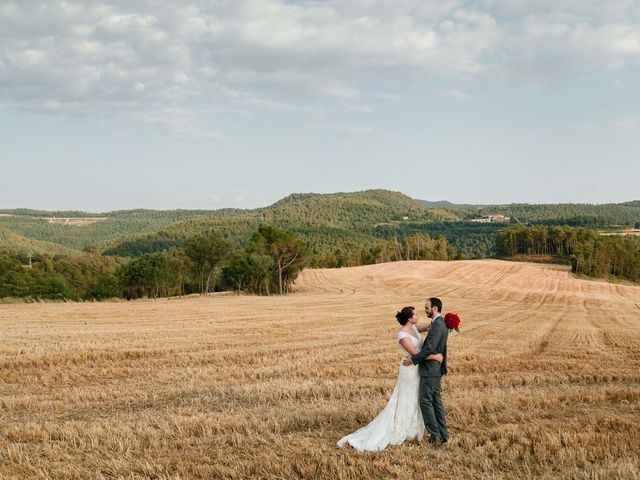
x: 436, y: 342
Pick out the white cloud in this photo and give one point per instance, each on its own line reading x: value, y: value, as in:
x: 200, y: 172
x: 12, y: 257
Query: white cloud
x: 145, y: 56
x: 625, y: 41
x: 629, y: 126
x: 361, y: 108
x: 453, y: 95
x: 346, y: 130
x: 625, y: 126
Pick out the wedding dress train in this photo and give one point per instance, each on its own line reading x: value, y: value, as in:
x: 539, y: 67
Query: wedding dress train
x: 401, y: 418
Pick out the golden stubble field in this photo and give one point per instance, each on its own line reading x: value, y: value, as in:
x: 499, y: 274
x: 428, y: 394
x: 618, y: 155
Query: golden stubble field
x: 544, y: 380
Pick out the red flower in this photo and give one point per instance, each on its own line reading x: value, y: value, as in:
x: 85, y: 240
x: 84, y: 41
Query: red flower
x: 452, y: 321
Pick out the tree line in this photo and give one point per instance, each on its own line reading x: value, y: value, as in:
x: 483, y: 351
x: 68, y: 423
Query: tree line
x: 272, y: 258
x: 208, y: 262
x: 470, y: 240
x: 590, y: 253
x: 60, y: 277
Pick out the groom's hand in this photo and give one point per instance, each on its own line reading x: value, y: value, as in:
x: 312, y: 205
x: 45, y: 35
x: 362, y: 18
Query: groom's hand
x: 407, y: 361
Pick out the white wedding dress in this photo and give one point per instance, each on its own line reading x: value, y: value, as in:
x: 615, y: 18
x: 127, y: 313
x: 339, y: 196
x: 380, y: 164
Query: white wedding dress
x: 401, y: 418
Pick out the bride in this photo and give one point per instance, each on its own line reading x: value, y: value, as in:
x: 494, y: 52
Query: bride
x: 401, y: 418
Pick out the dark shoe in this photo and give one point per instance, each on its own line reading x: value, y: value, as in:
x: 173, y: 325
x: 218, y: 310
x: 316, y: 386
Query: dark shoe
x: 433, y: 440
x: 444, y: 441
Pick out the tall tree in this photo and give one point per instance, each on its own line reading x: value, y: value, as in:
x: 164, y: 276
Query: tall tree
x: 147, y: 275
x: 250, y: 272
x: 289, y: 254
x: 207, y: 251
x: 179, y: 266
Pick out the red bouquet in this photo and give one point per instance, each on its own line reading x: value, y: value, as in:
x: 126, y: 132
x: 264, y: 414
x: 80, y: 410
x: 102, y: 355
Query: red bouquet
x: 452, y: 321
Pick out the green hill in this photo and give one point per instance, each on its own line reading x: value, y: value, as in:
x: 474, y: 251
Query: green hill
x: 13, y: 243
x: 322, y: 221
x: 36, y: 224
x: 447, y: 205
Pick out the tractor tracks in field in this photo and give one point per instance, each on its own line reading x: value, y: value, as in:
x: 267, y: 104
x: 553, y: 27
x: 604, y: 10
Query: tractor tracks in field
x: 546, y: 338
x: 603, y: 336
x: 620, y: 291
x: 501, y: 275
x: 324, y: 283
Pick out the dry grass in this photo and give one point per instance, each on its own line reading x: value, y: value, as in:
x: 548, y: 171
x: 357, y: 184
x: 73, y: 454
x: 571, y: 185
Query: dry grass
x: 544, y: 380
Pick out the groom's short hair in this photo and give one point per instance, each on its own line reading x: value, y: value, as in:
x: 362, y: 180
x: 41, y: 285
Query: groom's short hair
x: 436, y: 302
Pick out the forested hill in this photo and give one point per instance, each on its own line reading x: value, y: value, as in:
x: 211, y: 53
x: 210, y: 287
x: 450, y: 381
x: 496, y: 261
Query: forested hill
x: 326, y: 222
x: 322, y: 218
x: 358, y: 210
x: 76, y: 229
x: 323, y: 221
x: 13, y: 243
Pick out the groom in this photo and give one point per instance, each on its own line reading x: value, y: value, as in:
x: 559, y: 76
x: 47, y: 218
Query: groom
x: 431, y: 372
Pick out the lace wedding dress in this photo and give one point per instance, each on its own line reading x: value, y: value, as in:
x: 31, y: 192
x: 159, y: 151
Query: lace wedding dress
x: 401, y: 418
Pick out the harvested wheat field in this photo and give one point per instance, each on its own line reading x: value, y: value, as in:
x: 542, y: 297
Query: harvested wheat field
x: 544, y: 380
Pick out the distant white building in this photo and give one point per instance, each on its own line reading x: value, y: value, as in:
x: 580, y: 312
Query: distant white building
x: 492, y: 219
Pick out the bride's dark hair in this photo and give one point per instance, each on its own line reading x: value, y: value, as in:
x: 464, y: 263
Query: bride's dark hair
x: 404, y: 315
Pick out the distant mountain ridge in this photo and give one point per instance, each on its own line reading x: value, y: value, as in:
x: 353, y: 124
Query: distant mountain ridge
x: 446, y: 204
x: 323, y: 220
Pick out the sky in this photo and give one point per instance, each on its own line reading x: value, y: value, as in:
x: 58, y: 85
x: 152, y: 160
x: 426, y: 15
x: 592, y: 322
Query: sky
x: 108, y: 105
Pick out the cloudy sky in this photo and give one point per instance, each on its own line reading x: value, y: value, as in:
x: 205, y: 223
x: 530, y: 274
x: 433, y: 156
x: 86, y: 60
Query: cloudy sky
x: 214, y: 103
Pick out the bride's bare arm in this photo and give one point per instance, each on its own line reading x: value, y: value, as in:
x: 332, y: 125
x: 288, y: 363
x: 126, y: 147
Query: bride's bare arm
x: 408, y: 346
x: 424, y: 327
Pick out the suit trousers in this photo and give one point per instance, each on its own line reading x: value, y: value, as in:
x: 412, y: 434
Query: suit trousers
x: 432, y: 408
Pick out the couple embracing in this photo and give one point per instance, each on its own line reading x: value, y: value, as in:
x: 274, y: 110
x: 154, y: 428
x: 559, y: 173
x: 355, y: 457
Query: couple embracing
x: 415, y: 403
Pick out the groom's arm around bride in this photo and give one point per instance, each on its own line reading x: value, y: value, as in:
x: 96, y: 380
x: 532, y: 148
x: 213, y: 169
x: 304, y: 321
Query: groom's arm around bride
x: 433, y: 345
